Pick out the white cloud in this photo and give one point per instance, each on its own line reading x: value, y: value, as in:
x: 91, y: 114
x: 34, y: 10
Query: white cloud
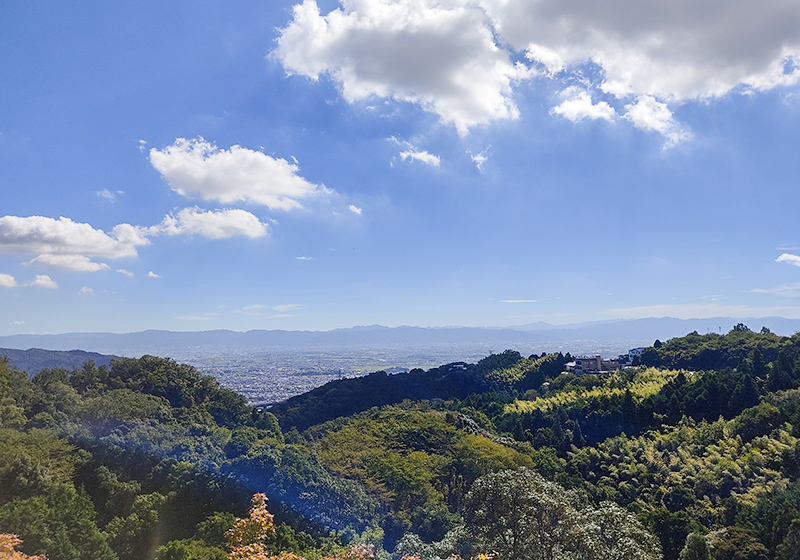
x: 127, y: 273
x: 305, y: 258
x: 702, y: 311
x: 787, y: 290
x: 63, y: 243
x: 69, y: 262
x: 354, y: 209
x: 649, y: 114
x: 18, y: 323
x: 193, y: 317
x: 441, y: 55
x: 517, y: 301
x: 671, y: 50
x: 85, y: 291
x: 197, y: 168
x: 578, y: 106
x: 454, y: 57
x: 152, y: 274
x: 421, y: 156
x: 7, y: 281
x: 216, y: 224
x: 287, y: 307
x: 480, y: 158
x: 254, y: 307
x: 43, y: 281
x: 789, y: 258
x: 108, y: 195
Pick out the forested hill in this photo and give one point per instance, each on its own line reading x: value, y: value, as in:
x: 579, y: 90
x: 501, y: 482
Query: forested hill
x: 694, y: 453
x: 34, y: 360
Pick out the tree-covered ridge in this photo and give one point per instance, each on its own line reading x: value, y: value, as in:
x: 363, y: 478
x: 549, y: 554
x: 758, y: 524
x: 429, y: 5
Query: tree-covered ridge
x: 112, y: 462
x: 150, y: 459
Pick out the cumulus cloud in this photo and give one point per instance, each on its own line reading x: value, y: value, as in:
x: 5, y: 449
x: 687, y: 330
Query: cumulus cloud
x: 789, y: 258
x: 7, y: 281
x: 303, y: 258
x: 578, y: 106
x: 65, y: 244
x: 649, y: 114
x: 354, y: 209
x: 455, y: 58
x: 43, y: 281
x: 441, y: 55
x: 198, y: 169
x: 217, y: 224
x: 85, y: 291
x: 152, y: 274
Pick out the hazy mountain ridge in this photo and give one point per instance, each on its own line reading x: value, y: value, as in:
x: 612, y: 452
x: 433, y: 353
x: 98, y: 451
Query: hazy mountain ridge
x: 606, y: 337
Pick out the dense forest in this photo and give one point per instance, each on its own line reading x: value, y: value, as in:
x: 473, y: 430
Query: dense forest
x: 691, y: 453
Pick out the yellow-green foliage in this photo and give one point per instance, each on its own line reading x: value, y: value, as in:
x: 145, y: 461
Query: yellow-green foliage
x: 519, y: 370
x: 410, y: 456
x: 644, y: 384
x: 691, y: 467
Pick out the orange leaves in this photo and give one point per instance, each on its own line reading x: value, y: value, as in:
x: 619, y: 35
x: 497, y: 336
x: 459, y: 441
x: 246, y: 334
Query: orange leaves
x: 8, y: 543
x: 246, y: 538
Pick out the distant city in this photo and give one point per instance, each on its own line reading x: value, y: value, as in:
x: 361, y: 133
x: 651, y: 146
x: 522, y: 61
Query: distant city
x: 272, y: 366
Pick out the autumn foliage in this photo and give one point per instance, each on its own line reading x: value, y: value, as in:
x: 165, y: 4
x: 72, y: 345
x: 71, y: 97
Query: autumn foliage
x: 8, y: 543
x: 246, y: 538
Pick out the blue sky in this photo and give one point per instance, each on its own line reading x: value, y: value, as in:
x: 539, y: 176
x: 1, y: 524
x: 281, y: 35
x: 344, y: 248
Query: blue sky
x: 287, y: 165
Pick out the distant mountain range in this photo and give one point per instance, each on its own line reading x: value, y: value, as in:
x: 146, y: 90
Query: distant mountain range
x: 604, y: 337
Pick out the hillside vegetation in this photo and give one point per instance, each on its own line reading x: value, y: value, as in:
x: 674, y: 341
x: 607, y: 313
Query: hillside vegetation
x: 695, y: 453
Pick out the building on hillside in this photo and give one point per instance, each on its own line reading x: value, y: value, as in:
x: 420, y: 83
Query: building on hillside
x: 633, y: 354
x: 593, y: 364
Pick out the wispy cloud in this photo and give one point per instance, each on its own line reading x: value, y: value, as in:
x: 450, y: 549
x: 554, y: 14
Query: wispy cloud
x: 305, y: 258
x: 287, y: 307
x: 127, y: 273
x: 421, y: 156
x: 787, y: 290
x: 701, y: 311
x: 480, y: 158
x: 413, y: 153
x: 152, y: 274
x: 108, y: 195
x: 355, y: 209
x: 518, y: 301
x: 194, y: 317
